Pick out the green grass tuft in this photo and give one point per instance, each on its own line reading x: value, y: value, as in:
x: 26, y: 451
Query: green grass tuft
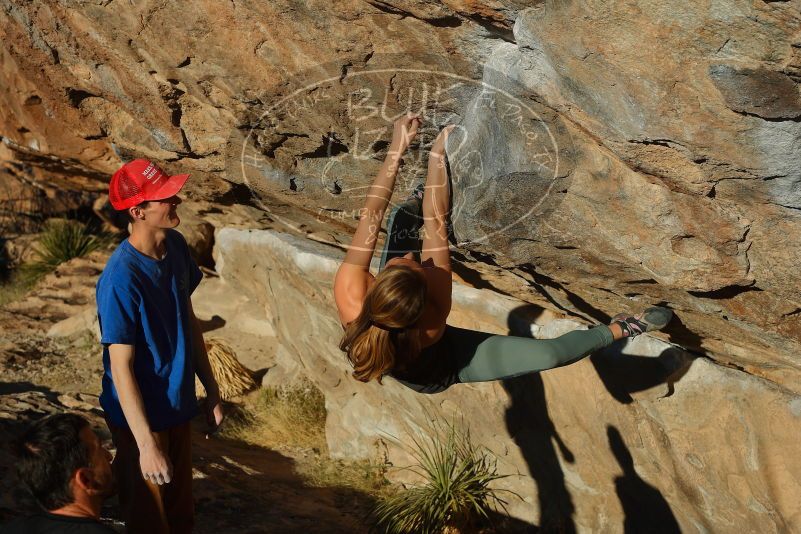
x: 61, y: 241
x: 456, y: 492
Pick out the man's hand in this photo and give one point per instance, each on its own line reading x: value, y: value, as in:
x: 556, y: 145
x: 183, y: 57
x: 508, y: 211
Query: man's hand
x: 156, y: 467
x: 214, y: 412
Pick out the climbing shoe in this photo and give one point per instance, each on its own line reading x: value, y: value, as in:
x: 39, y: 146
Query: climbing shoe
x: 654, y: 318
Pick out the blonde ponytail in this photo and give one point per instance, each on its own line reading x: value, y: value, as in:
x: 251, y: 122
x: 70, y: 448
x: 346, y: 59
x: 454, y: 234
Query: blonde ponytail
x: 384, y: 334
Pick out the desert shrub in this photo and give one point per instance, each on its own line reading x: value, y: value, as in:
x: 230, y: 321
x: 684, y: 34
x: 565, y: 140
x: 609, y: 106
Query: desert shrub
x: 456, y: 490
x: 60, y: 241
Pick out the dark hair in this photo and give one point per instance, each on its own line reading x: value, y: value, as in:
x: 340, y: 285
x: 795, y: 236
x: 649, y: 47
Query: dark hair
x: 49, y: 453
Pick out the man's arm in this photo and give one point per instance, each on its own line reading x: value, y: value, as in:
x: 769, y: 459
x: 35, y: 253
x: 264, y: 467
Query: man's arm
x: 214, y: 411
x: 155, y: 465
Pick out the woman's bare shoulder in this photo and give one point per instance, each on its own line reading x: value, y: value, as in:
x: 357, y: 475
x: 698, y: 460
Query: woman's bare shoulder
x: 350, y: 286
x: 432, y: 324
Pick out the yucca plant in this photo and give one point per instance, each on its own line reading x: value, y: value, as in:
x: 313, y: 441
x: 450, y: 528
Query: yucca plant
x: 456, y: 492
x: 61, y: 241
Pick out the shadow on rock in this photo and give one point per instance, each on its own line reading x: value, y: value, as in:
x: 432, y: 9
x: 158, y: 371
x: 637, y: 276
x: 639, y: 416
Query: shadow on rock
x: 624, y: 374
x: 644, y: 507
x: 503, y: 524
x: 681, y: 335
x: 10, y: 388
x: 534, y: 433
x: 531, y: 428
x: 212, y: 324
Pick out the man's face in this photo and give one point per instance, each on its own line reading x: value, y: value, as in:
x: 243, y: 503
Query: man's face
x: 161, y: 213
x: 99, y: 463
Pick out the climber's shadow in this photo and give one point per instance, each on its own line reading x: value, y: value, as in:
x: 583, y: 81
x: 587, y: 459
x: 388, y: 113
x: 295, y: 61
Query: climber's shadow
x: 532, y: 430
x: 680, y: 334
x: 211, y: 324
x: 624, y: 374
x: 644, y: 507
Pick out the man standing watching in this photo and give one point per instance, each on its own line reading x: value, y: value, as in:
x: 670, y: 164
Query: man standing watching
x: 152, y: 349
x: 65, y: 467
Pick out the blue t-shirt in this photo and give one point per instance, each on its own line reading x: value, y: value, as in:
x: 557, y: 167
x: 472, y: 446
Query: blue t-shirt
x: 144, y: 302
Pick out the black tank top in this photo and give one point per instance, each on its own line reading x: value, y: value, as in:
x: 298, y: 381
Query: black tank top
x: 435, y: 369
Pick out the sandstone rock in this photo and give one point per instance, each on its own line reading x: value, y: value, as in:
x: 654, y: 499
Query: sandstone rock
x: 633, y: 182
x: 767, y: 94
x: 20, y: 249
x: 633, y: 433
x: 65, y: 295
x: 199, y: 235
x: 85, y: 320
x: 662, y: 145
x: 74, y: 403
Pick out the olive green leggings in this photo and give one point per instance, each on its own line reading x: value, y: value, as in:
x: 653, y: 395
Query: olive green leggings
x: 493, y: 357
x: 463, y: 355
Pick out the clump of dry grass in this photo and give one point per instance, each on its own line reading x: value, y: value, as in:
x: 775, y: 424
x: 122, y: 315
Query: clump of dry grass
x: 233, y: 378
x: 285, y: 417
x: 292, y: 420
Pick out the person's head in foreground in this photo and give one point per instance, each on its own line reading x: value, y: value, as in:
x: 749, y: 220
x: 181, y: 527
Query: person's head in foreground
x: 148, y: 194
x: 62, y: 463
x: 384, y: 333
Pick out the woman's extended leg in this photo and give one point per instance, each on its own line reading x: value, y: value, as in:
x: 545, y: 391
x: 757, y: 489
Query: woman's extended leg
x: 496, y: 357
x: 483, y: 357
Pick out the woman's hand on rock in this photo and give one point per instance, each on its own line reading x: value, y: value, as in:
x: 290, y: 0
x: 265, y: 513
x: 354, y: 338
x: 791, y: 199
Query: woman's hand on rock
x: 404, y: 131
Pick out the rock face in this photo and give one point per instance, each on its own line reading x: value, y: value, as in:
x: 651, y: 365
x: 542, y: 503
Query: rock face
x: 610, y: 150
x: 662, y: 173
x: 611, y: 154
x: 636, y: 436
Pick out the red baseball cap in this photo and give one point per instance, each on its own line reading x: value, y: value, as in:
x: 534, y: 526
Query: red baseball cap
x: 141, y: 180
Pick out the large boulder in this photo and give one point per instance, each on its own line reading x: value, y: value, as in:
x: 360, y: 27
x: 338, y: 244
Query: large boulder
x: 638, y: 433
x: 610, y: 150
x: 650, y: 164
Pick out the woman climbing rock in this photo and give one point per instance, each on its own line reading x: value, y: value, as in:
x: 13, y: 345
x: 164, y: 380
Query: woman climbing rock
x: 396, y: 322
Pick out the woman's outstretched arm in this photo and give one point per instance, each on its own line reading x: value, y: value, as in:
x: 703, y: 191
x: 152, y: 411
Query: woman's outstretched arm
x: 360, y: 251
x: 353, y: 277
x: 436, y: 205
